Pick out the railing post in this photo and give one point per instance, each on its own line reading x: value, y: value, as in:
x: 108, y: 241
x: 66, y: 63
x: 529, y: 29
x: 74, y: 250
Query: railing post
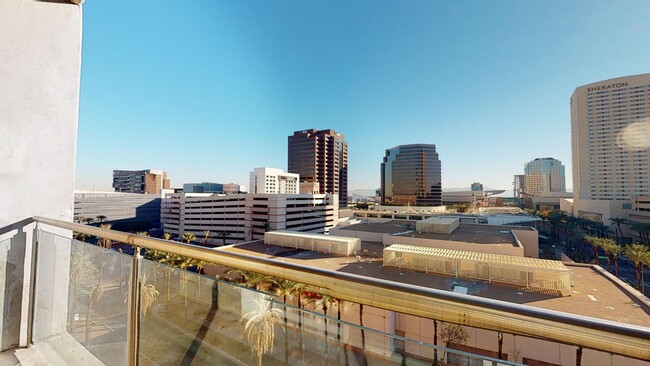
x: 133, y: 308
x: 36, y: 235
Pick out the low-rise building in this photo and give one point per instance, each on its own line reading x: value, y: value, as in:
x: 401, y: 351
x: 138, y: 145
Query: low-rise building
x: 448, y: 233
x: 119, y: 208
x: 203, y: 187
x: 473, y: 197
x: 245, y: 217
x: 273, y: 181
x: 546, y: 201
x: 233, y: 188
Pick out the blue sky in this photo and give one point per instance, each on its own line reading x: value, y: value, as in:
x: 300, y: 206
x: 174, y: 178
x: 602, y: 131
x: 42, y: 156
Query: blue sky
x: 209, y: 90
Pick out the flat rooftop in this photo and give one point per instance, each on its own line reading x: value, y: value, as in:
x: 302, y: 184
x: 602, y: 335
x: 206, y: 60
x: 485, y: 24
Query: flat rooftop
x: 466, y: 233
x: 592, y: 295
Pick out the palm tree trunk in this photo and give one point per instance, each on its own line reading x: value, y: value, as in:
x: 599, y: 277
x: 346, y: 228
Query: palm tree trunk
x: 286, y: 331
x: 325, y: 319
x: 338, y: 326
x: 74, y: 303
x: 435, y: 342
x: 363, y: 332
x: 638, y: 276
x: 299, y: 311
x: 121, y: 270
x: 578, y: 356
x: 500, y: 342
x: 616, y: 264
x: 90, y: 308
x: 169, y: 283
x: 595, y: 254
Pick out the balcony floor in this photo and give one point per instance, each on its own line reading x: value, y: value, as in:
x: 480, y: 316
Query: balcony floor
x: 62, y: 349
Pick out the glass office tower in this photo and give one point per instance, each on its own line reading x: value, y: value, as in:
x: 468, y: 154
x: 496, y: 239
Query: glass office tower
x: 411, y: 175
x: 321, y: 157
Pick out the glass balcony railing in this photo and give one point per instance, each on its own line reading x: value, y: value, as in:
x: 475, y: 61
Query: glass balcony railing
x: 92, y: 305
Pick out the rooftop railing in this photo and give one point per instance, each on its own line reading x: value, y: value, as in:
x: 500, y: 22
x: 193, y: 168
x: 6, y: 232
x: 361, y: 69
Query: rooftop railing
x: 121, y: 289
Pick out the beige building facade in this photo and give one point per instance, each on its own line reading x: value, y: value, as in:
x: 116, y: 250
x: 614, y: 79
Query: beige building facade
x: 248, y: 216
x: 610, y: 130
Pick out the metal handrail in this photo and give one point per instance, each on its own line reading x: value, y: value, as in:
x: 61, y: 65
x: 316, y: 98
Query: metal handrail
x: 501, y: 316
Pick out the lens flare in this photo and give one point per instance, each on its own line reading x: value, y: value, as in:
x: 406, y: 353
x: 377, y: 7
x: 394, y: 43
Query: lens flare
x: 636, y: 136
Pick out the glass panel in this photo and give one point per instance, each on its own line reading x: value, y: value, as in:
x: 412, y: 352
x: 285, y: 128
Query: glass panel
x: 81, y: 289
x: 12, y: 280
x: 193, y: 319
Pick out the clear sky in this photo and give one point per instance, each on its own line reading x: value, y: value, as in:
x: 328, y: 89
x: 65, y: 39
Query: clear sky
x: 209, y: 90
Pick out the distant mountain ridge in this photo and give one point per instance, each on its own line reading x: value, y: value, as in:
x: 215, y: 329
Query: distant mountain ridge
x: 367, y: 192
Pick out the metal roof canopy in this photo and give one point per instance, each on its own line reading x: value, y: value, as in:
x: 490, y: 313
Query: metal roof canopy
x: 531, y: 272
x: 317, y: 242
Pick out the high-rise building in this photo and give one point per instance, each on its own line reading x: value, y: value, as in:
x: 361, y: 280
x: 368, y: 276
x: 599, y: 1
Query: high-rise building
x: 544, y: 175
x: 610, y: 146
x: 140, y: 181
x: 411, y: 175
x: 273, y: 181
x: 321, y: 157
x: 519, y: 186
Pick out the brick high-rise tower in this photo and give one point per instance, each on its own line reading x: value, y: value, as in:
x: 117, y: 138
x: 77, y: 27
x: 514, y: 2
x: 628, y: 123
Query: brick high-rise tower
x: 322, y: 157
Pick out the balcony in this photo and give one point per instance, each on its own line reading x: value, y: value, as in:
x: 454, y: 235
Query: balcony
x: 86, y: 304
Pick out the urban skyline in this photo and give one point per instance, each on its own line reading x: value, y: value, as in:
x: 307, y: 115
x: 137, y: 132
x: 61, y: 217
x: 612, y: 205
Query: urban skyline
x: 231, y: 80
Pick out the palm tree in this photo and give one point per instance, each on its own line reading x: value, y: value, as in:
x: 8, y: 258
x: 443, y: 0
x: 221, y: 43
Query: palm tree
x: 206, y: 237
x: 81, y: 268
x: 643, y: 230
x: 101, y: 218
x: 452, y: 334
x: 285, y: 288
x: 556, y: 218
x: 81, y: 236
x: 607, y: 244
x: 322, y: 301
x: 149, y: 294
x: 595, y: 243
x: 615, y: 250
x: 616, y: 221
x: 167, y: 236
x: 223, y: 235
x: 638, y: 254
x: 251, y: 279
x: 142, y: 233
x: 103, y: 242
x: 188, y: 236
x: 89, y: 220
x: 94, y: 297
x: 260, y: 328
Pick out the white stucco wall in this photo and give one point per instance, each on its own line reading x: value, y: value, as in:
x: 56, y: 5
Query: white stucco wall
x: 39, y: 84
x: 529, y: 239
x: 40, y: 62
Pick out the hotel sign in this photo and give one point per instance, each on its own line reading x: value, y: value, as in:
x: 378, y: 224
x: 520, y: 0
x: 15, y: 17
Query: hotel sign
x: 606, y: 87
